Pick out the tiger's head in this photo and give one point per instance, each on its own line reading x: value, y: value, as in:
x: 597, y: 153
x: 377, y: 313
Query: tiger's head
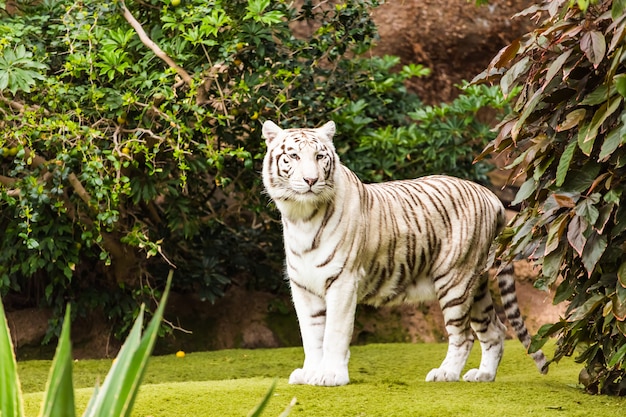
x: 300, y: 164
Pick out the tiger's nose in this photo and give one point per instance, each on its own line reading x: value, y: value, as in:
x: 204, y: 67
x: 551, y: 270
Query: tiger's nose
x: 310, y: 181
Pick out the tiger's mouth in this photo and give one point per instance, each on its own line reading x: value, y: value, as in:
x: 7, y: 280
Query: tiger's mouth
x: 312, y: 193
x: 314, y: 189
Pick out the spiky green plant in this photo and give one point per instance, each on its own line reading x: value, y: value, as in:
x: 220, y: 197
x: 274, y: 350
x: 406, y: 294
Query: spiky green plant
x: 117, y: 394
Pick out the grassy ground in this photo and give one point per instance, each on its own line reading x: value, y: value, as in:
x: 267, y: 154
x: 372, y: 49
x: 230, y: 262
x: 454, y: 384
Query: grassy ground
x: 387, y: 380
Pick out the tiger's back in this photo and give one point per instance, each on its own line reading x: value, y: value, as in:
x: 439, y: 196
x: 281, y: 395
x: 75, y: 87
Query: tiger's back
x: 388, y: 243
x: 416, y: 231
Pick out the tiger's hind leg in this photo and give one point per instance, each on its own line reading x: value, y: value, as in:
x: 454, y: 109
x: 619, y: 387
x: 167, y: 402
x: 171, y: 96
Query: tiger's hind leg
x: 455, y: 301
x: 490, y: 332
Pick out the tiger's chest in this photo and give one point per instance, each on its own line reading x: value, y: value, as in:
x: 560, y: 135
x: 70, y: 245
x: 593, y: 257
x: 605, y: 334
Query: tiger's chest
x: 316, y: 254
x: 387, y: 262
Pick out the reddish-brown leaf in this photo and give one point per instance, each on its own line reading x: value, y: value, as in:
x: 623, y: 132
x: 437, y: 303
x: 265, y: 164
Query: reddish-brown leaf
x: 564, y: 200
x: 575, y: 236
x: 593, y: 44
x: 505, y: 55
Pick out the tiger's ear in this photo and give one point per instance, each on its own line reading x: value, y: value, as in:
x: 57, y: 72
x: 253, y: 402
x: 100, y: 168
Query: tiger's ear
x: 270, y: 131
x: 328, y: 130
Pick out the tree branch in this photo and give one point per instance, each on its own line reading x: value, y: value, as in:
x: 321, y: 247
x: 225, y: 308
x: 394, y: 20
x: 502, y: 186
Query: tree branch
x: 19, y: 107
x: 145, y: 39
x: 8, y: 181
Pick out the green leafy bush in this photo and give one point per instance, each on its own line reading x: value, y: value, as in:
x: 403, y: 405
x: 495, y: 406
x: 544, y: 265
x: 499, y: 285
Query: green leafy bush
x: 130, y: 139
x: 566, y: 139
x: 437, y: 140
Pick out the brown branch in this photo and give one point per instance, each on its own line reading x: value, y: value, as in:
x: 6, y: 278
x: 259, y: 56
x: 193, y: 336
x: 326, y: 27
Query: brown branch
x: 145, y: 39
x: 19, y: 106
x: 79, y: 189
x: 37, y: 160
x: 8, y: 181
x: 12, y: 104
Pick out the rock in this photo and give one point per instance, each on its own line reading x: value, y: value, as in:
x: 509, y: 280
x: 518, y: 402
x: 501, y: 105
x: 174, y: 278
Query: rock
x: 28, y: 326
x: 454, y: 38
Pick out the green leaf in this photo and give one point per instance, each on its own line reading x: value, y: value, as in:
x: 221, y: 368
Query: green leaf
x: 10, y: 392
x: 59, y: 394
x: 529, y: 107
x: 551, y: 266
x: 585, y: 139
x: 580, y: 179
x: 617, y: 9
x: 269, y: 18
x: 543, y: 335
x: 582, y: 312
x: 620, y: 84
x: 526, y: 190
x: 556, y: 66
x: 587, y: 210
x: 507, y: 83
x: 564, y: 162
x: 601, y: 115
x: 619, y: 302
x: 611, y: 142
x: 621, y: 274
x: 555, y: 232
x: 612, y: 196
x: 617, y: 356
x: 571, y: 120
x: 594, y: 248
x: 600, y: 95
x: 588, y: 133
x: 563, y: 292
x: 119, y: 390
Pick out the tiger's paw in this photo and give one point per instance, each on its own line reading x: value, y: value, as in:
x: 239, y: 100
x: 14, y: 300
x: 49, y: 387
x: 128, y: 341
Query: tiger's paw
x: 476, y: 375
x: 442, y: 375
x: 297, y: 377
x: 327, y: 378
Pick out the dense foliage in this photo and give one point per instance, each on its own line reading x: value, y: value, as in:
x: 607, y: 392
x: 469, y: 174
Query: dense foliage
x: 130, y: 139
x: 566, y: 139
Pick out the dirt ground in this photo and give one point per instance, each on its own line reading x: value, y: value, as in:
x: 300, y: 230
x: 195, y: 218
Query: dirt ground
x: 456, y: 40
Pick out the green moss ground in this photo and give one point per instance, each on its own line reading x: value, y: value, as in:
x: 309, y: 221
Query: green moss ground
x: 387, y: 380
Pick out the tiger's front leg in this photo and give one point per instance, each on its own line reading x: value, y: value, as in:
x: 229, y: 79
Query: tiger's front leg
x: 311, y: 312
x: 326, y: 327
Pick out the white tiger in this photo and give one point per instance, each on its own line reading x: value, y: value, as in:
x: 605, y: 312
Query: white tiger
x: 382, y: 244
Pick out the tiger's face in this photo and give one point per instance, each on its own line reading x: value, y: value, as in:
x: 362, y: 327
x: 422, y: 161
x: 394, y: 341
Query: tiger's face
x: 299, y: 164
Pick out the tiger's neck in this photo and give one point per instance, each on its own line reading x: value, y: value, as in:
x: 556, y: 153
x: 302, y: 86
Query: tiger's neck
x: 298, y: 212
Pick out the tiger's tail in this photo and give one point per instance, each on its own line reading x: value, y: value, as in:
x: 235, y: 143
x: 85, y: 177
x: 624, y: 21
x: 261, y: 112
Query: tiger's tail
x: 506, y: 282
